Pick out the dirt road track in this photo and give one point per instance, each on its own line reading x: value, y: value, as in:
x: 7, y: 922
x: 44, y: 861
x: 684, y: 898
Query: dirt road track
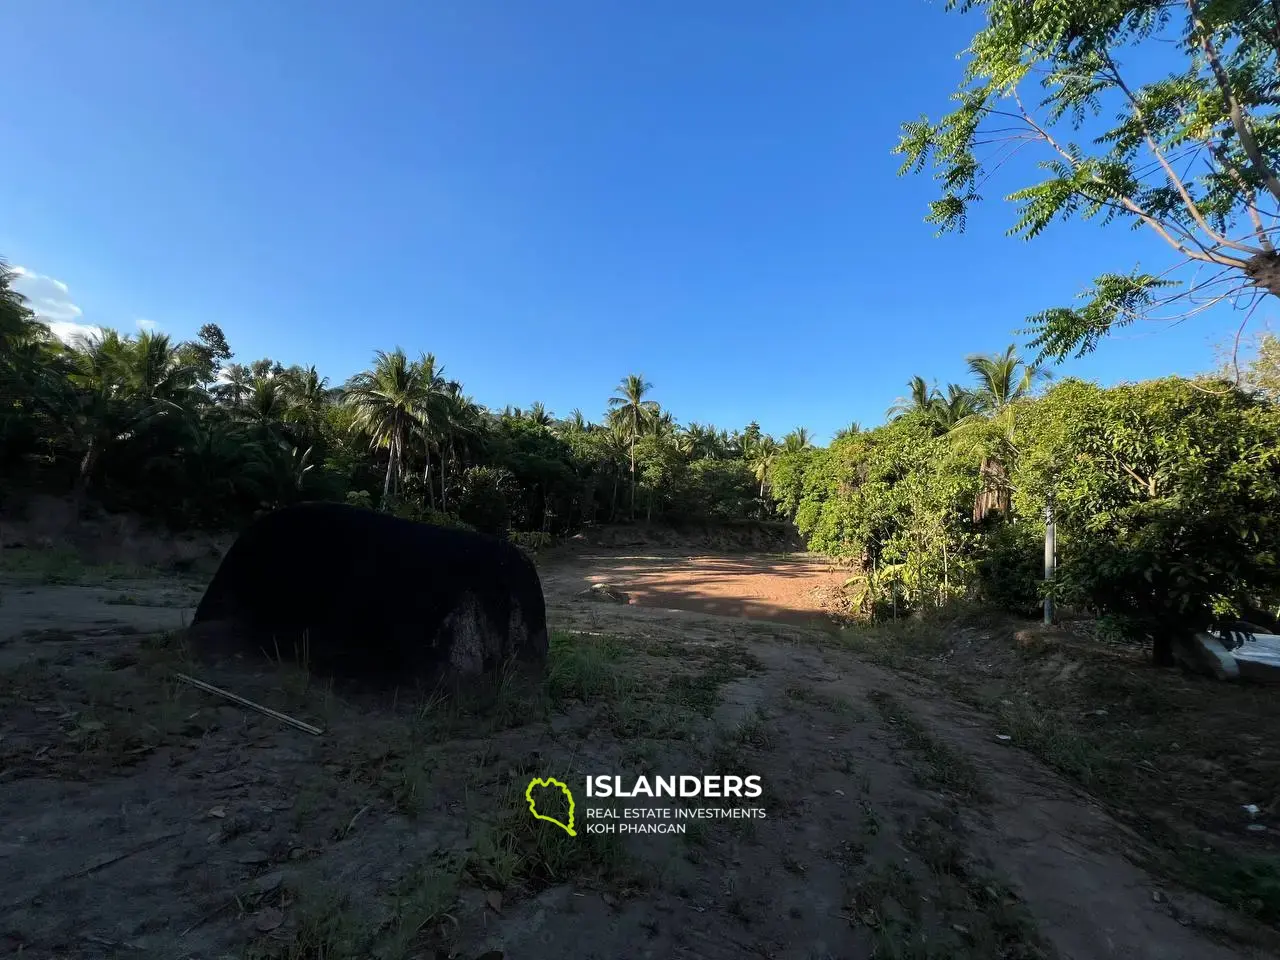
x: 898, y: 824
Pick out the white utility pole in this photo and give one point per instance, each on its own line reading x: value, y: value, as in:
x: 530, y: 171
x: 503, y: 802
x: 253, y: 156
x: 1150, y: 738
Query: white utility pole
x: 1050, y: 559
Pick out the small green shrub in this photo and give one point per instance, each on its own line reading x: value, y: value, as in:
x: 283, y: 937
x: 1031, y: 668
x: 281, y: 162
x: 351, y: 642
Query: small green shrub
x: 360, y: 498
x: 530, y: 541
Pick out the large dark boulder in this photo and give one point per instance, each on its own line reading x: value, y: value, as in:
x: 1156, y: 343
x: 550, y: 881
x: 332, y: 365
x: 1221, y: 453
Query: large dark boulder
x: 365, y: 596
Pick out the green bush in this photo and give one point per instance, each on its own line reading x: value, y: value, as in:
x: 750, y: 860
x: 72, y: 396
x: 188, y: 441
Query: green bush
x: 486, y: 497
x: 360, y: 498
x: 530, y: 541
x: 442, y: 519
x: 1167, y: 497
x: 1011, y: 569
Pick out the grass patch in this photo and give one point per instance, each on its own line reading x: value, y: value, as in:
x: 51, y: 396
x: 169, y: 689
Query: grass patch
x: 699, y: 692
x: 586, y: 668
x: 754, y: 732
x: 421, y: 905
x: 1055, y: 740
x: 937, y: 906
x: 1248, y: 885
x: 61, y: 565
x: 945, y: 768
x: 519, y: 849
x: 326, y: 927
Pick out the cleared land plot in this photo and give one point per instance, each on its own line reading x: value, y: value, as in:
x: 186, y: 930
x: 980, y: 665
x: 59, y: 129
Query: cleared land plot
x: 139, y: 816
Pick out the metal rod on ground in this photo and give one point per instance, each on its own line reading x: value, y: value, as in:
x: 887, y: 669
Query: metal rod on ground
x: 1050, y: 561
x: 267, y: 711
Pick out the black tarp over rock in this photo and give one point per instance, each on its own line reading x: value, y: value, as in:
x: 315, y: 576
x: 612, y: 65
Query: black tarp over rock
x: 367, y: 596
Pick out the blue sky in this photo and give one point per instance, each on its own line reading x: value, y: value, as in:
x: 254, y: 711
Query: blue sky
x: 547, y: 196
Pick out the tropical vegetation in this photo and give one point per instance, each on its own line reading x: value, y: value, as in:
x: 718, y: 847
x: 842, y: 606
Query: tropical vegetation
x: 1166, y: 494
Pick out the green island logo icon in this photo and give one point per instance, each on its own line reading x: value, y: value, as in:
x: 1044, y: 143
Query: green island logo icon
x: 533, y: 804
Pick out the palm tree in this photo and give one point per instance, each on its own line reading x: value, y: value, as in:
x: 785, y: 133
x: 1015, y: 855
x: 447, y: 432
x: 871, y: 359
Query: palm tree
x: 616, y: 448
x: 849, y: 431
x: 461, y: 420
x: 221, y: 461
x: 662, y: 424
x: 796, y: 441
x: 956, y: 408
x: 265, y: 410
x: 309, y: 396
x: 115, y: 388
x: 233, y: 385
x: 919, y: 399
x: 152, y: 366
x: 430, y: 425
x: 728, y: 445
x: 635, y: 410
x: 538, y: 414
x: 575, y: 422
x: 697, y: 442
x: 19, y: 326
x: 388, y: 400
x: 761, y: 454
x: 1003, y: 379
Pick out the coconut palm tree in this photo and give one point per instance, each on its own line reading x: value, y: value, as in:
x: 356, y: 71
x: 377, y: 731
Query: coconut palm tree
x: 19, y: 326
x: 633, y: 409
x: 956, y: 408
x: 459, y: 422
x: 308, y: 396
x: 849, y: 431
x: 115, y: 388
x: 538, y: 414
x: 234, y: 383
x: 663, y: 424
x: 796, y: 441
x: 697, y: 441
x: 388, y: 400
x: 1003, y: 379
x: 265, y: 411
x: 920, y: 397
x: 761, y: 454
x: 431, y: 423
x: 575, y: 422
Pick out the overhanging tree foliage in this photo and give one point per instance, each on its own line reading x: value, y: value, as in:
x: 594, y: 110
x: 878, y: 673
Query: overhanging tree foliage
x: 1156, y: 113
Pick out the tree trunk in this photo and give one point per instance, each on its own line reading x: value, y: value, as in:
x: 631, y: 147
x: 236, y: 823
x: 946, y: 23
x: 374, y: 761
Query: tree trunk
x: 391, y: 466
x: 85, y: 477
x: 400, y: 470
x: 633, y: 476
x: 1162, y: 650
x: 613, y: 501
x: 993, y: 494
x: 431, y: 490
x: 444, y: 484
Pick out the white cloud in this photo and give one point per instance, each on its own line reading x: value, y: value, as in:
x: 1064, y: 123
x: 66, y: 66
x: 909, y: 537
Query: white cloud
x: 48, y: 297
x: 51, y: 300
x: 67, y: 332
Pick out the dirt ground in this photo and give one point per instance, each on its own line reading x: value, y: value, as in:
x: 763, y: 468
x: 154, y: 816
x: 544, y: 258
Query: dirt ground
x: 787, y: 588
x: 140, y: 817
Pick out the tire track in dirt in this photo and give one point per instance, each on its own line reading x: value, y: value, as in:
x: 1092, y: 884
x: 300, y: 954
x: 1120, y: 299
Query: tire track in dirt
x: 1058, y: 849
